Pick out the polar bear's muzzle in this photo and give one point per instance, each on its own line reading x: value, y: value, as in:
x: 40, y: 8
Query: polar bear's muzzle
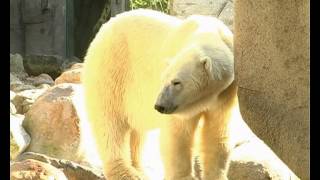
x: 165, y: 102
x: 165, y: 109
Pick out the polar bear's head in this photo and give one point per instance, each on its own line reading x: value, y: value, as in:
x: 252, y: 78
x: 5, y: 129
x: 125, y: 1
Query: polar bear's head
x: 195, y: 75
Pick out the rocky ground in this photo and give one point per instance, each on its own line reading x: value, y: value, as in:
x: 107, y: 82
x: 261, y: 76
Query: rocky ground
x: 50, y: 138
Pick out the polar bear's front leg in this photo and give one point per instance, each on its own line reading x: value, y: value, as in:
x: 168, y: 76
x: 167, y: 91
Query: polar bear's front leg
x: 215, y: 150
x: 215, y: 161
x: 176, y: 142
x: 116, y: 155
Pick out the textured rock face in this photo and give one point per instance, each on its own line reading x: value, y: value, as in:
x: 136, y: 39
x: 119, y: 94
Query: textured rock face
x: 32, y: 169
x: 53, y: 124
x: 272, y: 68
x: 19, y: 139
x: 72, y: 170
x: 255, y: 160
x: 223, y: 9
x: 57, y: 125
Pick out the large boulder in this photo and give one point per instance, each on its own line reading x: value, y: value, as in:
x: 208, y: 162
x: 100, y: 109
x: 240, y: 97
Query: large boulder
x: 39, y: 64
x: 58, y: 127
x: 19, y: 139
x: 32, y: 169
x: 52, y: 65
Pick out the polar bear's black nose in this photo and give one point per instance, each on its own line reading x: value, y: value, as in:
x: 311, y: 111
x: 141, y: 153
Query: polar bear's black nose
x: 159, y: 108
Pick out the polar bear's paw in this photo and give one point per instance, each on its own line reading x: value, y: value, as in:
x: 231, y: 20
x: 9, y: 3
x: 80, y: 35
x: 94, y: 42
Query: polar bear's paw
x: 183, y: 178
x: 124, y: 173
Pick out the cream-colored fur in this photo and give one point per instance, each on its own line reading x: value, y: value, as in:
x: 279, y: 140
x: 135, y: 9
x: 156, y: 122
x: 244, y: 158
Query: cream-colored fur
x: 129, y: 64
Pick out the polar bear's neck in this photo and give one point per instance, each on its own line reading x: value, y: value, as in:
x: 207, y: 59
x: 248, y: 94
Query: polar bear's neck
x: 225, y: 115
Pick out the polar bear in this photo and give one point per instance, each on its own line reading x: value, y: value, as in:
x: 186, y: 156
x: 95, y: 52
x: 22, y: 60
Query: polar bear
x: 145, y: 70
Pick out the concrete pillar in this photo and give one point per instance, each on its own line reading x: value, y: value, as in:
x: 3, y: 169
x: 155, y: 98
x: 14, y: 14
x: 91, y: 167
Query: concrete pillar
x: 272, y: 69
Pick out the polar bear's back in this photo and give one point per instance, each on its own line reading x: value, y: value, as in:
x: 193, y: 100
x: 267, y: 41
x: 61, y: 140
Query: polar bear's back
x: 122, y: 66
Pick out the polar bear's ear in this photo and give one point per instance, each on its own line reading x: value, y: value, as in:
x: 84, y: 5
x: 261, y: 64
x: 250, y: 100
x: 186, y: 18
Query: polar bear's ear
x: 206, y: 62
x: 211, y: 68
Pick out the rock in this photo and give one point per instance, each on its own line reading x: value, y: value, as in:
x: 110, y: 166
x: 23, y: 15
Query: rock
x: 76, y: 66
x: 24, y: 99
x: 16, y: 63
x: 54, y: 125
x: 19, y: 139
x: 41, y: 79
x: 69, y: 62
x: 44, y: 86
x: 39, y: 64
x: 14, y: 81
x: 255, y: 160
x: 72, y: 75
x: 17, y: 85
x: 13, y: 109
x: 72, y: 170
x: 23, y: 87
x: 32, y: 169
x: 12, y: 95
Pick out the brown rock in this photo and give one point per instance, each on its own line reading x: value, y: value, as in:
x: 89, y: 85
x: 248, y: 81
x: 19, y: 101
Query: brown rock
x: 72, y: 170
x: 32, y: 169
x: 53, y: 123
x: 76, y: 66
x: 70, y: 76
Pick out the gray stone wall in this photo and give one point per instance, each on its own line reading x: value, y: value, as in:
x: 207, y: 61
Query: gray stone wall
x: 38, y: 27
x: 222, y: 9
x: 63, y: 28
x: 16, y: 28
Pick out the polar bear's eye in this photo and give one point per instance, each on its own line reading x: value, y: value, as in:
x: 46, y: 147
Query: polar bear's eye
x: 176, y: 82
